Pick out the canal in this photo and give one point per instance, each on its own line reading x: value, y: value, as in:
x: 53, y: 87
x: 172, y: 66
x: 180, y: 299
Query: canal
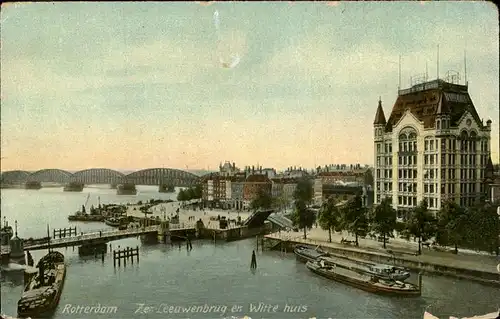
x: 211, y: 280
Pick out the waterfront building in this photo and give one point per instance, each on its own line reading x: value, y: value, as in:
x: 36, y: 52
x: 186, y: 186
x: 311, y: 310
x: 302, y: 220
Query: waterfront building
x: 237, y: 184
x: 228, y: 169
x: 254, y: 184
x: 433, y: 146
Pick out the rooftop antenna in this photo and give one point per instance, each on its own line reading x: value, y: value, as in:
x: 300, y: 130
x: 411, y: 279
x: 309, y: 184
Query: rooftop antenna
x: 437, y: 62
x: 15, y: 225
x: 399, y: 83
x: 465, y: 67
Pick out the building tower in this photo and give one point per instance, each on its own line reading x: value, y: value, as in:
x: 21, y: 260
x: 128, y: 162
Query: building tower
x: 380, y: 152
x: 444, y: 147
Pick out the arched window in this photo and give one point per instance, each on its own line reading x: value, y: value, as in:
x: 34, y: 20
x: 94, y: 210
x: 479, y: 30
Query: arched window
x: 438, y: 124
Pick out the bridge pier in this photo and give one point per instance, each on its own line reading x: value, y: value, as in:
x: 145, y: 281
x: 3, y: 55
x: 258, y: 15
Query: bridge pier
x: 33, y: 185
x: 163, y: 233
x: 93, y: 249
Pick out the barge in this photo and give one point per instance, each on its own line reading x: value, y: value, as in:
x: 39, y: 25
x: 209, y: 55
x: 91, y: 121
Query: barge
x: 306, y: 253
x: 42, y: 292
x: 365, y: 281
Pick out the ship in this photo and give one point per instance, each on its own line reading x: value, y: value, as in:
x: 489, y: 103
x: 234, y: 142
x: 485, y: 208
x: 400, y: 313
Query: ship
x: 305, y: 253
x: 126, y: 189
x: 384, y: 271
x: 74, y: 187
x: 82, y: 216
x: 43, y: 290
x: 343, y: 273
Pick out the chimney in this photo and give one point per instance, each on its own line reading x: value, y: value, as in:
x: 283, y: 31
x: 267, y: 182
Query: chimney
x: 234, y: 165
x: 253, y: 169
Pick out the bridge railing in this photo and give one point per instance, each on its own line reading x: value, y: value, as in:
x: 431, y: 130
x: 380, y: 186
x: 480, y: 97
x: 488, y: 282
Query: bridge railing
x: 181, y: 225
x: 100, y: 234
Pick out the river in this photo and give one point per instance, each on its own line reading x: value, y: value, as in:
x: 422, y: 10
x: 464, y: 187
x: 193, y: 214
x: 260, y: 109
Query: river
x: 169, y: 280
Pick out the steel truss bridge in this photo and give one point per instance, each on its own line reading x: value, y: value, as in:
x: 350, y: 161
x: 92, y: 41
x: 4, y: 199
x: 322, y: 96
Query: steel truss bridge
x: 151, y: 176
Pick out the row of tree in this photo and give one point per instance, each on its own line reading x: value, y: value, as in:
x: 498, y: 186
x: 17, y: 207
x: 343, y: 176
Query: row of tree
x: 190, y: 193
x: 476, y: 227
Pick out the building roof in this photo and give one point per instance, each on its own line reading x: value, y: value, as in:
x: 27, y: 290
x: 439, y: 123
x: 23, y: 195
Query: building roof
x: 379, y: 116
x: 429, y: 99
x: 258, y: 178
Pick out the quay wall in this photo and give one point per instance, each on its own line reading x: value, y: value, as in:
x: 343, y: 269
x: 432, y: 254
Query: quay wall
x: 489, y: 278
x: 233, y: 234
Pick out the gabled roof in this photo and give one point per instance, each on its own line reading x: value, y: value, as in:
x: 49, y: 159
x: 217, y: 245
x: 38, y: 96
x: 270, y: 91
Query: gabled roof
x: 379, y: 116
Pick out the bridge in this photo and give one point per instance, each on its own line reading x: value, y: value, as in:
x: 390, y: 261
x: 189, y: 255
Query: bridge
x: 257, y: 219
x: 101, y: 236
x: 281, y: 221
x: 151, y: 176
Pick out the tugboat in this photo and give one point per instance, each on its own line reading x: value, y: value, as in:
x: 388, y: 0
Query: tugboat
x: 126, y: 189
x: 95, y: 215
x: 113, y: 222
x: 43, y: 290
x: 74, y: 187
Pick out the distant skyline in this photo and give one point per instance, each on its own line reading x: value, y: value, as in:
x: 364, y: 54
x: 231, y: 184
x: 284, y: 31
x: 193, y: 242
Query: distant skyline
x: 183, y: 85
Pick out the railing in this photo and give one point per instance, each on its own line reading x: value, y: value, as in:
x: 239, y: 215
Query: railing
x: 106, y: 233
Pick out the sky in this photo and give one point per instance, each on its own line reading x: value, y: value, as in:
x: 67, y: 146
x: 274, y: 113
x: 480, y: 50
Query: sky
x: 148, y: 84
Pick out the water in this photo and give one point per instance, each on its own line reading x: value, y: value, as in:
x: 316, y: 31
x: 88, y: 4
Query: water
x: 217, y: 276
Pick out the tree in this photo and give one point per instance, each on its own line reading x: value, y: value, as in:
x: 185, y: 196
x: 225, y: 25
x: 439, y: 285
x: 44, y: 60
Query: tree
x: 453, y: 222
x: 484, y: 227
x: 263, y: 200
x: 303, y: 194
x: 329, y: 217
x: 368, y: 177
x: 354, y: 217
x: 182, y: 195
x: 198, y: 190
x: 304, y: 191
x: 303, y: 217
x: 384, y: 219
x: 421, y: 224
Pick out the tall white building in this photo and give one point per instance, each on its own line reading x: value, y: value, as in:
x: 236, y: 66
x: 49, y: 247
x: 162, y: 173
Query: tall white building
x: 434, y: 146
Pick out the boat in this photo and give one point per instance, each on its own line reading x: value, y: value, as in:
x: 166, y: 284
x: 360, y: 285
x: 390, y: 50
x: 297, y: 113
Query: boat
x: 364, y: 281
x: 492, y: 315
x: 388, y: 272
x: 113, y: 222
x: 42, y: 292
x: 126, y: 189
x: 8, y: 317
x: 384, y: 271
x: 94, y: 216
x: 73, y: 187
x: 306, y: 253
